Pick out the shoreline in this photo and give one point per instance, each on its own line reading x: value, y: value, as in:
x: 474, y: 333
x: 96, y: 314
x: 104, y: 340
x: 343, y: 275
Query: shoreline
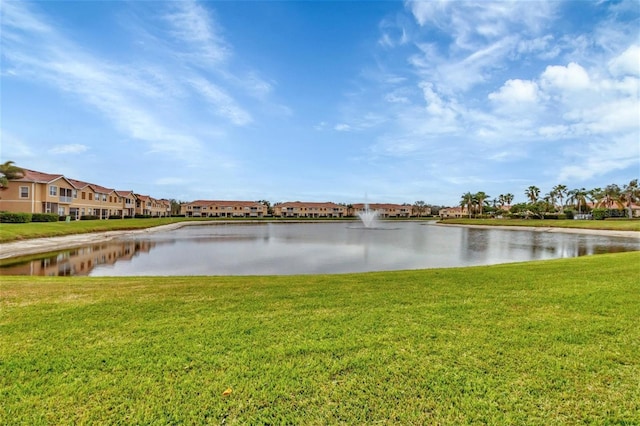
x: 49, y: 244
x: 551, y: 229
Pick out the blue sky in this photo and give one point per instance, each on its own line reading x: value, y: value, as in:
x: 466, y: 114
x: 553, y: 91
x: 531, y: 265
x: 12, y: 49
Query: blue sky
x: 323, y: 101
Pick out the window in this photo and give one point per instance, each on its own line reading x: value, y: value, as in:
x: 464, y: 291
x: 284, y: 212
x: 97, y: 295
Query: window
x: 53, y: 190
x: 75, y: 193
x: 84, y: 195
x: 104, y: 197
x: 90, y: 196
x: 24, y: 192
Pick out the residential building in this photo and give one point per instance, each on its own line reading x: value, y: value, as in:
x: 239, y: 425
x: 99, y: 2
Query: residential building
x: 228, y: 209
x: 453, y: 212
x: 298, y: 209
x: 385, y: 210
x: 38, y: 192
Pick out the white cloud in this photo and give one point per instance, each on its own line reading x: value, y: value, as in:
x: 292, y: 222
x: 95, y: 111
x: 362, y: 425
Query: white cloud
x: 601, y: 157
x: 74, y: 148
x: 627, y: 63
x: 195, y: 27
x: 572, y: 77
x: 223, y: 104
x: 342, y: 127
x: 516, y: 91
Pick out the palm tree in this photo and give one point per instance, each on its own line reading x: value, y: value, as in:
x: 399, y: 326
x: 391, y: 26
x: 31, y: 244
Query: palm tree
x: 560, y: 191
x: 578, y: 197
x: 610, y: 196
x: 630, y: 194
x: 467, y: 201
x: 532, y: 193
x: 8, y: 172
x: 508, y: 198
x: 480, y: 197
x: 550, y: 200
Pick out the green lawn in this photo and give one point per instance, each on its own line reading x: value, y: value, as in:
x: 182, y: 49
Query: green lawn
x: 611, y: 224
x: 18, y: 231
x: 541, y: 343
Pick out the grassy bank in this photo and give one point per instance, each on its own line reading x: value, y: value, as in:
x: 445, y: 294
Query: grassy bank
x: 611, y: 225
x: 553, y: 342
x: 20, y: 231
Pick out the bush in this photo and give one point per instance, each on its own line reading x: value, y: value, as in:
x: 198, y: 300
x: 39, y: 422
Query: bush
x: 89, y: 217
x: 569, y: 213
x: 7, y: 217
x: 44, y: 217
x: 142, y: 216
x: 113, y: 216
x: 599, y: 214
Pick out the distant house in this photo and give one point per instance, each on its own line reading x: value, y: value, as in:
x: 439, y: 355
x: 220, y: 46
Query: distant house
x: 386, y: 210
x: 299, y: 209
x: 453, y: 212
x: 229, y: 209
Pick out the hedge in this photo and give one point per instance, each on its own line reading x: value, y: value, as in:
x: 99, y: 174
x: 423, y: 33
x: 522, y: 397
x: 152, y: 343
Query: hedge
x: 44, y: 217
x: 7, y: 217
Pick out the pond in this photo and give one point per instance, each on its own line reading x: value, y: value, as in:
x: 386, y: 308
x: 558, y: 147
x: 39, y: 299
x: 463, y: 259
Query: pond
x: 310, y: 248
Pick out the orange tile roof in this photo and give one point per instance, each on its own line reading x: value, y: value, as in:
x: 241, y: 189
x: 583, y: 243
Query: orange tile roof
x: 203, y: 203
x: 39, y: 177
x: 309, y: 204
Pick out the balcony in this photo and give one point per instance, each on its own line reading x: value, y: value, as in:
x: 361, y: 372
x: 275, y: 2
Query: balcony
x: 65, y: 200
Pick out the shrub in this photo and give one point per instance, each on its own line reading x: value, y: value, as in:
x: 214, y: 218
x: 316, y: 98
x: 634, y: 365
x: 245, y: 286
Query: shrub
x: 142, y: 216
x: 113, y: 216
x: 599, y: 214
x: 89, y: 217
x: 44, y: 217
x: 7, y: 217
x: 569, y: 213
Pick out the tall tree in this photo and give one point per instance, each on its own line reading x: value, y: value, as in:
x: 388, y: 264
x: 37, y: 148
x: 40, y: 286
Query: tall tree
x: 610, y: 196
x: 467, y: 201
x: 630, y: 194
x: 560, y: 191
x: 579, y: 198
x: 480, y: 198
x: 508, y: 198
x: 532, y: 193
x: 8, y: 172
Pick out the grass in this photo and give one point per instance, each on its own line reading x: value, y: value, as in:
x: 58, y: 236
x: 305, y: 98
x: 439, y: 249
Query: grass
x: 540, y: 343
x: 611, y: 225
x: 20, y: 231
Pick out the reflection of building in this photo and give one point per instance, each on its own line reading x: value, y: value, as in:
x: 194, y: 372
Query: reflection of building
x: 297, y: 209
x: 211, y: 208
x: 78, y: 261
x: 37, y: 192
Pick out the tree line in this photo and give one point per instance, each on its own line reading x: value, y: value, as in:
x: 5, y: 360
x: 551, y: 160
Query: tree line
x: 559, y: 202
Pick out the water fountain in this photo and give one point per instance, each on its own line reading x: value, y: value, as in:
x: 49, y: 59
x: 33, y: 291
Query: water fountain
x: 368, y: 217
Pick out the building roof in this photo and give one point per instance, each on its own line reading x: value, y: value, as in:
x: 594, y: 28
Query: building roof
x: 328, y: 205
x: 380, y: 206
x: 203, y: 203
x: 38, y: 177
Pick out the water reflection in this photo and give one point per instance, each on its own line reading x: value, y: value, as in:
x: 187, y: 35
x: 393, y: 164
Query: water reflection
x: 76, y: 261
x: 272, y: 248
